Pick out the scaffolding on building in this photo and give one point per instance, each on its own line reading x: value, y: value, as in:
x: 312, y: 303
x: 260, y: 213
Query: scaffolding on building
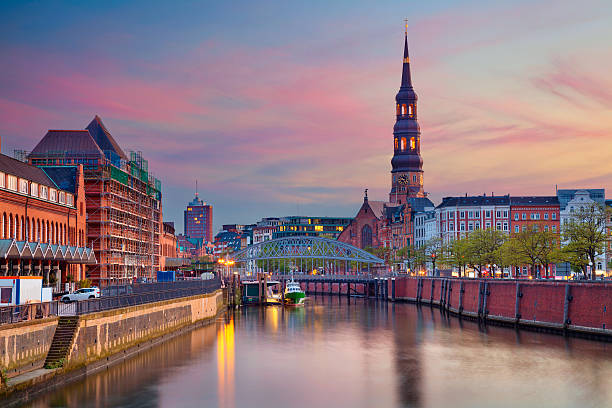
x: 123, y: 204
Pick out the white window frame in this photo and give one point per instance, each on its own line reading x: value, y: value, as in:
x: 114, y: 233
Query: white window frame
x: 34, y: 189
x: 554, y: 216
x: 44, y: 192
x: 2, y: 180
x: 23, y: 186
x: 516, y: 216
x: 498, y: 214
x: 516, y: 228
x: 505, y: 213
x: 62, y: 197
x: 505, y: 226
x: 11, y: 182
x: 53, y: 195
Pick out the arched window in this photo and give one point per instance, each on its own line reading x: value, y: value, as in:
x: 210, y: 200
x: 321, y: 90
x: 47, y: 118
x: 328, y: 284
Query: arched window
x: 403, y: 109
x: 16, y: 227
x: 411, y: 110
x: 8, y: 227
x: 22, y: 228
x: 397, y: 109
x: 396, y: 143
x: 2, y: 230
x: 412, y: 143
x: 366, y: 236
x: 403, y: 144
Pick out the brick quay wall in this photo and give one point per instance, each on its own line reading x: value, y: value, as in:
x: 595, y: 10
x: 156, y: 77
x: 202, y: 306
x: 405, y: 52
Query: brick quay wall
x: 581, y: 308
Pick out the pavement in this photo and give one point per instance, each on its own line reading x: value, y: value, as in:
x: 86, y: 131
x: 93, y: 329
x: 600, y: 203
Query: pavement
x: 30, y: 375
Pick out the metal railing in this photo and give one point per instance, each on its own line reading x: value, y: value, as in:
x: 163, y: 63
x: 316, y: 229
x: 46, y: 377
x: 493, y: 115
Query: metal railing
x: 116, y: 297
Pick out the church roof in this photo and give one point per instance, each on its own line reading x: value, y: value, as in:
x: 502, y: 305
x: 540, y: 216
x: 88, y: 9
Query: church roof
x: 378, y: 208
x: 419, y: 204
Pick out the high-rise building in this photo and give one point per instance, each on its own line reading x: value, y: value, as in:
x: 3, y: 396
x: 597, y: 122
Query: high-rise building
x: 198, y: 220
x: 124, y: 212
x: 407, y: 164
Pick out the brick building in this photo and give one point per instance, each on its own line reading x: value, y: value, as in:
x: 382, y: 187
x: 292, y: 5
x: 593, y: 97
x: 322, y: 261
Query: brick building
x: 43, y: 224
x: 124, y: 212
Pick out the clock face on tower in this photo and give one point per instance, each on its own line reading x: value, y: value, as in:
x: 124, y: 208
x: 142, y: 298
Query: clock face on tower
x: 403, y: 180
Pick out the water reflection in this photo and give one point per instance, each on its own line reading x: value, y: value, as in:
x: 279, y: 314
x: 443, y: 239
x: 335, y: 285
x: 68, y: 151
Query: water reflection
x: 353, y: 352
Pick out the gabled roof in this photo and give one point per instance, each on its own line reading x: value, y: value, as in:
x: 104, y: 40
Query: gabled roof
x: 63, y: 176
x: 69, y: 141
x: 103, y: 137
x: 24, y: 170
x: 377, y: 207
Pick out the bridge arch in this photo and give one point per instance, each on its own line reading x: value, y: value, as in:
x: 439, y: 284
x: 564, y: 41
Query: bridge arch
x: 307, y: 254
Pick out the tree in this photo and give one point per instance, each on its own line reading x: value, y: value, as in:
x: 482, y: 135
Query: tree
x: 511, y: 256
x: 585, y: 234
x: 550, y: 250
x: 528, y: 247
x: 433, y: 250
x: 458, y: 254
x: 483, y: 248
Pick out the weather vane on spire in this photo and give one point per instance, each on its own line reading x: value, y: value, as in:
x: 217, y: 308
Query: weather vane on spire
x: 406, y: 26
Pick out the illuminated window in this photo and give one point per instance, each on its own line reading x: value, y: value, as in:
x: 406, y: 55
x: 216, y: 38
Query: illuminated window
x: 396, y: 143
x: 318, y: 228
x: 412, y: 143
x: 398, y: 110
x: 403, y: 109
x: 403, y: 144
x: 411, y: 110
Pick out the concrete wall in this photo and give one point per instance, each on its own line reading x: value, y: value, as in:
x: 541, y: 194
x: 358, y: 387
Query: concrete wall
x: 558, y: 305
x: 105, y: 333
x: 24, y: 345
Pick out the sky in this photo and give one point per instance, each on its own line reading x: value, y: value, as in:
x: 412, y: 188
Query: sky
x: 287, y: 108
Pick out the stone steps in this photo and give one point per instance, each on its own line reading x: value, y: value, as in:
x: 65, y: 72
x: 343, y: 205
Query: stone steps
x: 62, y: 341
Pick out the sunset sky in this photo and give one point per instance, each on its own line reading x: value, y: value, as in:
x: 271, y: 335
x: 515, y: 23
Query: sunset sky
x: 287, y: 107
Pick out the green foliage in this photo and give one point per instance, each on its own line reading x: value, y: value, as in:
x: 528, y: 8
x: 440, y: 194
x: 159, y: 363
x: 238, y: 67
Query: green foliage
x: 3, y: 378
x: 585, y: 234
x: 85, y: 283
x: 57, y: 364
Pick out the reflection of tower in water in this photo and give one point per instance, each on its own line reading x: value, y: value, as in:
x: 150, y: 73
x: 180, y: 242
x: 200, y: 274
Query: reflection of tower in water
x: 225, y: 363
x: 407, y: 332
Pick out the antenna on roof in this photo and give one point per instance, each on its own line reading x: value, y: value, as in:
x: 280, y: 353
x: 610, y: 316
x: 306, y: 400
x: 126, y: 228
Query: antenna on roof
x: 196, y: 187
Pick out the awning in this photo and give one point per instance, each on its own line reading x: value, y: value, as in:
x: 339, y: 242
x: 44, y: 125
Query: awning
x: 36, y: 251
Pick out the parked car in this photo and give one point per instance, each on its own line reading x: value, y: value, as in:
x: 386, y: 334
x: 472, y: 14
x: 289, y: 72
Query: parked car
x: 81, y: 294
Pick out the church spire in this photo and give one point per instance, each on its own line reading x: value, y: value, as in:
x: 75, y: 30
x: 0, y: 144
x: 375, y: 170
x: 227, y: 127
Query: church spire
x: 406, y: 80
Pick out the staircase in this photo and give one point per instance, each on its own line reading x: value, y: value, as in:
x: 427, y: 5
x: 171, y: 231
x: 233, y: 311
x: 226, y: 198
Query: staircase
x: 62, y: 341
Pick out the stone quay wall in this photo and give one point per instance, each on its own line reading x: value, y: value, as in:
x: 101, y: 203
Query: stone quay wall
x: 24, y: 345
x: 571, y: 307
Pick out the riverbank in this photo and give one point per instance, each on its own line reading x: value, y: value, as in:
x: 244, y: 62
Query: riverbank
x: 105, y: 338
x: 570, y: 308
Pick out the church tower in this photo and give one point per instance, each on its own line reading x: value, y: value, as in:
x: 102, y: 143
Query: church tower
x: 407, y: 164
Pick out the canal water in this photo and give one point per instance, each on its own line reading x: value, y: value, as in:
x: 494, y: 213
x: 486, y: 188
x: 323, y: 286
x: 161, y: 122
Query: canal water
x: 337, y: 352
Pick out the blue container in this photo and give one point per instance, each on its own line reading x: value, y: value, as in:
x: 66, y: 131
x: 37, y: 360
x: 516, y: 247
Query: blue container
x: 166, y: 276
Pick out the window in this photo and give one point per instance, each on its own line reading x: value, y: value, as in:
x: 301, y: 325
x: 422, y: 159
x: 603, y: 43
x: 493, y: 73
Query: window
x: 488, y: 214
x: 398, y: 110
x: 62, y: 198
x: 524, y: 216
x: 546, y: 228
x: 462, y: 226
x: 23, y: 186
x: 414, y: 178
x: 451, y: 215
x: 34, y: 190
x: 554, y: 216
x: 498, y: 226
x: 462, y: 214
x: 545, y: 216
x: 477, y: 225
x: 70, y: 200
x: 403, y: 144
x: 470, y: 214
x: 411, y: 110
x: 470, y: 226
x: 476, y: 214
x: 12, y: 182
x: 524, y: 228
x: 498, y: 214
x: 2, y: 180
x: 505, y: 213
x: 53, y: 195
x: 516, y: 217
x: 554, y: 228
x: 412, y: 143
x: 488, y: 225
x: 505, y: 226
x: 6, y: 295
x: 396, y: 143
x: 516, y: 228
